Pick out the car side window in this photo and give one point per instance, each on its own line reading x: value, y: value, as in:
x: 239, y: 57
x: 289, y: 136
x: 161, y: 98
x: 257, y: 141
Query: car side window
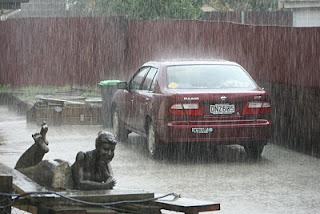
x: 138, y: 78
x: 149, y: 79
x: 154, y: 82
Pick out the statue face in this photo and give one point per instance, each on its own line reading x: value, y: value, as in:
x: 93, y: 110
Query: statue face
x: 106, y: 152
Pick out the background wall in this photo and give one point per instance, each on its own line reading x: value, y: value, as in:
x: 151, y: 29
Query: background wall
x: 61, y: 51
x: 274, y: 54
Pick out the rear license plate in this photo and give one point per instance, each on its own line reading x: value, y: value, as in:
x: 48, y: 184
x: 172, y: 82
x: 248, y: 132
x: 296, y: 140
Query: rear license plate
x: 201, y: 130
x: 222, y: 109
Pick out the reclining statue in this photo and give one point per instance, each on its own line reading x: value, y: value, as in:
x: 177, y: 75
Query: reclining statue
x: 91, y: 170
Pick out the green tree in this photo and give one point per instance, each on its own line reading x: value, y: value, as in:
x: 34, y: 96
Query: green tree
x: 77, y: 7
x: 245, y: 5
x: 150, y: 9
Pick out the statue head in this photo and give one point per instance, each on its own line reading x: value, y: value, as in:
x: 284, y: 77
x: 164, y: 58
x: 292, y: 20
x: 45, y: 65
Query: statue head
x: 105, y: 146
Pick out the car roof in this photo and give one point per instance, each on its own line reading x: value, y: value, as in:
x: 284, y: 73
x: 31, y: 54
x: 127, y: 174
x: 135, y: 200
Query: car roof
x: 189, y: 62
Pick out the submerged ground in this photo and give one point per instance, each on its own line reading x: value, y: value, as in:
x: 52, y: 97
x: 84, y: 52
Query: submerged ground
x: 284, y: 181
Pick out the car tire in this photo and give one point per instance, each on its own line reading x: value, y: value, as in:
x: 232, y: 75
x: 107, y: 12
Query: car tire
x: 119, y: 131
x: 254, y: 150
x: 153, y: 143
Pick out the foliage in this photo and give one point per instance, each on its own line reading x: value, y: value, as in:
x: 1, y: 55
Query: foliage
x: 78, y: 7
x: 32, y: 91
x: 5, y: 88
x: 244, y: 5
x: 150, y: 9
x: 164, y: 9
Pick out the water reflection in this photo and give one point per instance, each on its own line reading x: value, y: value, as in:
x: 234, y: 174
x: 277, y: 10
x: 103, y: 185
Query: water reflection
x: 192, y: 153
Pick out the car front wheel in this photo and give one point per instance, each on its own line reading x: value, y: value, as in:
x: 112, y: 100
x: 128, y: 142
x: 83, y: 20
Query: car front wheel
x: 254, y: 150
x: 119, y: 131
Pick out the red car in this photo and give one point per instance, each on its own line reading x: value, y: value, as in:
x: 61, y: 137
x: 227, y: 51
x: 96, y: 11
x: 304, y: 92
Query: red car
x: 214, y: 102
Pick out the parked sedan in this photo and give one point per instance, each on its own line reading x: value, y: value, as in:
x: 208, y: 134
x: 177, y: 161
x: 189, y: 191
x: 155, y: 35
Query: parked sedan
x: 171, y: 102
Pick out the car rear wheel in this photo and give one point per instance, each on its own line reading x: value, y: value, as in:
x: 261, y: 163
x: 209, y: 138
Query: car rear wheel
x: 254, y: 150
x: 153, y: 143
x: 119, y: 131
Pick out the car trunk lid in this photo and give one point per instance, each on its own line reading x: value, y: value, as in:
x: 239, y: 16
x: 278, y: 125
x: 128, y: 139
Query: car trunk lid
x: 220, y: 104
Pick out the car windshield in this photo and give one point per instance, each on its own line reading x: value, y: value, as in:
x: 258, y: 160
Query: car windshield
x: 207, y: 76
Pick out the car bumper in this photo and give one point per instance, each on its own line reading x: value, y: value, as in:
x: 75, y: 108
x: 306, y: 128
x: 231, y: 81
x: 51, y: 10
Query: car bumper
x: 223, y: 132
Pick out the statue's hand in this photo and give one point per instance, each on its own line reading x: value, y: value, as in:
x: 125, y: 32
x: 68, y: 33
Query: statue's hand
x: 111, y: 181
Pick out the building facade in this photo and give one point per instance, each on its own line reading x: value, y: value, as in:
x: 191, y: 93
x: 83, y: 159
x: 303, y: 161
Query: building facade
x: 305, y: 13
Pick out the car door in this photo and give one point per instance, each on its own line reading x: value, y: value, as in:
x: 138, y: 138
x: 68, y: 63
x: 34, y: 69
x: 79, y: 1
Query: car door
x: 142, y: 98
x: 135, y: 85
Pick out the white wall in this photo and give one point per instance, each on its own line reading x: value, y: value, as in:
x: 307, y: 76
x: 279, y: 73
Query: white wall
x: 287, y: 4
x: 306, y: 18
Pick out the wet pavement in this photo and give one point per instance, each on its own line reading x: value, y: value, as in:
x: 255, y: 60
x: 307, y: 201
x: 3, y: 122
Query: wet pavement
x: 283, y: 181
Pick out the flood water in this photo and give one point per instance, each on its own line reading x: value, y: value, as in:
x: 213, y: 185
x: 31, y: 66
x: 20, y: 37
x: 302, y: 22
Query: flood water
x: 282, y: 182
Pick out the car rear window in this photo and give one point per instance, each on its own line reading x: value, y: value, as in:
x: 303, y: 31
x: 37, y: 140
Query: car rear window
x: 207, y: 76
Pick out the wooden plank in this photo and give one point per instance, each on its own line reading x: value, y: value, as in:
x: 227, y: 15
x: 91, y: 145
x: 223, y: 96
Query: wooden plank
x: 27, y: 208
x: 97, y: 210
x: 61, y: 102
x: 53, y: 101
x: 186, y: 205
x: 5, y: 187
x: 113, y: 195
x: 138, y: 208
x: 101, y: 196
x: 77, y: 121
x: 62, y: 210
x: 84, y: 110
x: 93, y: 100
x: 22, y: 205
x: 44, y: 112
x: 20, y: 182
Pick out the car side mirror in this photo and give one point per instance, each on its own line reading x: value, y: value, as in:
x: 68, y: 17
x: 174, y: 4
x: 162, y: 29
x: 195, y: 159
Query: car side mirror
x: 122, y: 85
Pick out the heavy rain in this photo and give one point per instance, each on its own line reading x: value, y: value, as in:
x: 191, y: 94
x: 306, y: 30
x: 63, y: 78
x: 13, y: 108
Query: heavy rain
x: 55, y: 56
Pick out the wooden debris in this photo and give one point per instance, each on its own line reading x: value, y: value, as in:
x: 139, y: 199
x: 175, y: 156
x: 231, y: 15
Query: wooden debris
x: 59, y: 102
x: 43, y: 203
x: 21, y: 183
x: 5, y: 187
x: 186, y: 205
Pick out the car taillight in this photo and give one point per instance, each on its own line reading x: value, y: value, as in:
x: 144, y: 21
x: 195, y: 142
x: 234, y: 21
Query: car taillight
x: 191, y: 109
x: 257, y: 108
